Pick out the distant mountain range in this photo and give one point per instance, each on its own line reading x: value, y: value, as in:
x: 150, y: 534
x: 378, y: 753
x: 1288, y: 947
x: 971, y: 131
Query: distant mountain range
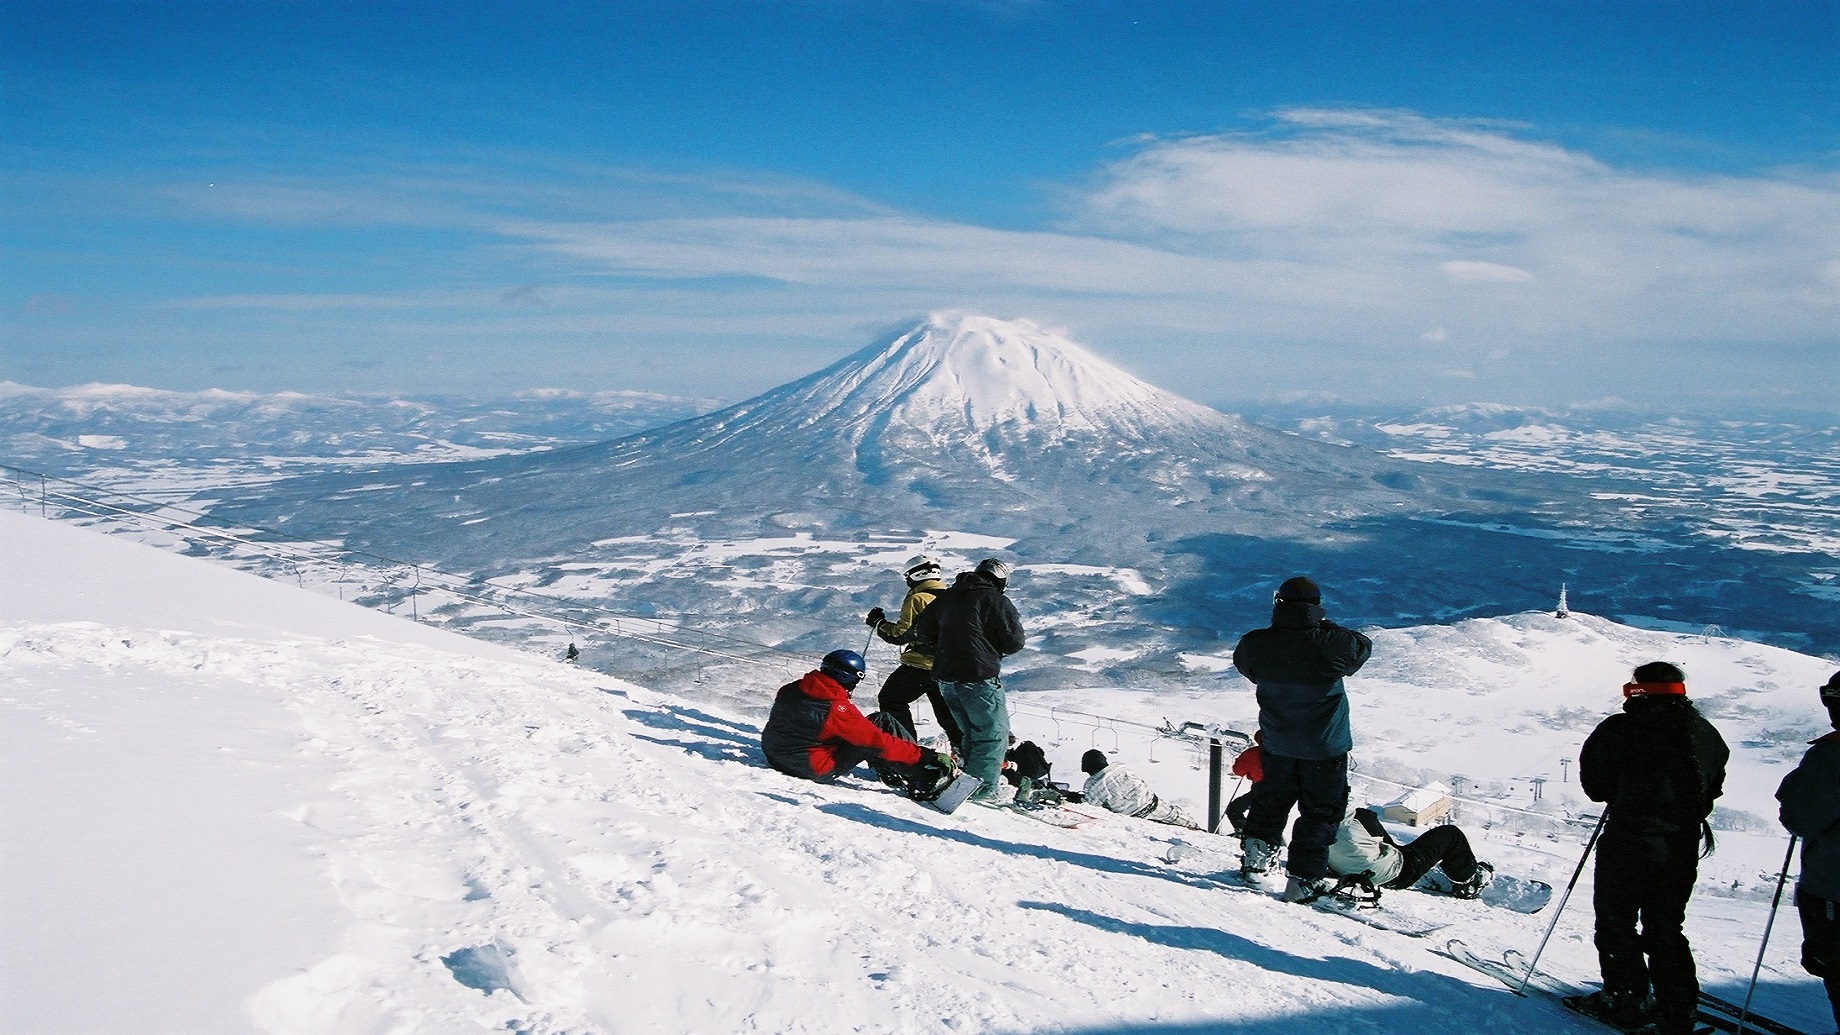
x: 969, y: 423
x: 1138, y: 518
x: 79, y: 429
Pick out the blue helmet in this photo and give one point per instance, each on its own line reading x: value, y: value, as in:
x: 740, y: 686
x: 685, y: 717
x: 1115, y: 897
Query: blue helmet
x: 845, y: 666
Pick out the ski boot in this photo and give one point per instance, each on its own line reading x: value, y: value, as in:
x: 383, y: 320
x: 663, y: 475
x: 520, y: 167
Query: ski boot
x: 1298, y: 889
x: 1473, y: 886
x: 1256, y: 857
x: 1629, y: 1011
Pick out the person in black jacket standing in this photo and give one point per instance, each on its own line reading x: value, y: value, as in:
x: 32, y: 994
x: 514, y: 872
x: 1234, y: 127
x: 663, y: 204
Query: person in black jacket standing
x: 1657, y: 767
x: 1810, y: 798
x: 973, y: 627
x: 1298, y: 664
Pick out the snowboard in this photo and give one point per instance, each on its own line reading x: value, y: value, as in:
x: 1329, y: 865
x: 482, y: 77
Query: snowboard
x: 1505, y: 891
x: 1053, y: 815
x: 1373, y: 915
x: 948, y: 800
x: 1714, y: 1015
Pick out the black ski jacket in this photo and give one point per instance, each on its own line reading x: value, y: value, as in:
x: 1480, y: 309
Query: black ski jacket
x: 1659, y: 766
x: 1298, y: 664
x: 1810, y: 797
x: 973, y: 627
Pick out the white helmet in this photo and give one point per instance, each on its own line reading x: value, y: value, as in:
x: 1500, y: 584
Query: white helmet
x: 920, y: 567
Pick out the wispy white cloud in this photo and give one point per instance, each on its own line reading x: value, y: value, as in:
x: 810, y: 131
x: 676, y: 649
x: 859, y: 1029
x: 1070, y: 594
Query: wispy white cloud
x: 1381, y: 242
x: 1333, y: 226
x: 1470, y: 272
x: 1395, y: 199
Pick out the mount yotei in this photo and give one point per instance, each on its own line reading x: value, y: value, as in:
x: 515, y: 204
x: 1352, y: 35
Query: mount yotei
x: 1135, y: 516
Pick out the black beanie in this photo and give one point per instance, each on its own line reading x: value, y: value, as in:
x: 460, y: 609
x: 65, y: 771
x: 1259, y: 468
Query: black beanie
x: 1301, y: 590
x: 1092, y: 761
x: 1659, y: 672
x: 1830, y: 694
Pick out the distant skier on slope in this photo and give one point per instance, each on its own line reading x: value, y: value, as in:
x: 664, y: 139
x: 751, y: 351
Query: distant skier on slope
x: 815, y: 733
x: 974, y: 627
x: 913, y: 679
x: 1810, y: 797
x: 1297, y: 664
x: 1658, y: 767
x: 1120, y: 790
x: 1363, y: 846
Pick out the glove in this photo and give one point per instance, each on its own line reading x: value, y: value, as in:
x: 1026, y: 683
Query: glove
x: 931, y: 775
x: 876, y: 617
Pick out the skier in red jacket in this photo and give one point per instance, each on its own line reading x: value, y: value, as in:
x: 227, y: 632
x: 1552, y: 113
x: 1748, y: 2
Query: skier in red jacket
x: 1250, y: 765
x: 815, y: 733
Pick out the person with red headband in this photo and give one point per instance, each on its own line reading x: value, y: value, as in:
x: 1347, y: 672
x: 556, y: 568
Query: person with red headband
x: 1810, y: 798
x: 1657, y: 767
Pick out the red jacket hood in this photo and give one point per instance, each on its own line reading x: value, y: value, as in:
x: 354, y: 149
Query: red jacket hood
x: 824, y: 688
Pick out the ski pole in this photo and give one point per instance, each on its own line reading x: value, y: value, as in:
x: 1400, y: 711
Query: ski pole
x: 1560, y: 908
x: 1781, y: 879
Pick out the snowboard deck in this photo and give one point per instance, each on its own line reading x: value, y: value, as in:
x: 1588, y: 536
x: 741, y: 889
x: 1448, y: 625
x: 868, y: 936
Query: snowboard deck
x: 1053, y: 815
x: 1714, y: 1014
x: 1505, y: 891
x: 961, y: 788
x: 1377, y: 916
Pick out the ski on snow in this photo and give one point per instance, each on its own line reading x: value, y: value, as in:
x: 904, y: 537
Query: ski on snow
x: 1714, y: 1014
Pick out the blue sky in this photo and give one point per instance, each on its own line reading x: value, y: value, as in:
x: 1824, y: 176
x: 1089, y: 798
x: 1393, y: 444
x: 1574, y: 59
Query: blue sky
x: 1541, y: 202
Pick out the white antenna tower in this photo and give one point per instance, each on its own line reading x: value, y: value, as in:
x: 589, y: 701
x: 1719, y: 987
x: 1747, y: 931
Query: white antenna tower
x: 1564, y: 611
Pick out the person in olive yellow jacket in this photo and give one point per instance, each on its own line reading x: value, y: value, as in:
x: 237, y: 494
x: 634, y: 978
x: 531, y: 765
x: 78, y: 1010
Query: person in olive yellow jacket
x: 913, y: 678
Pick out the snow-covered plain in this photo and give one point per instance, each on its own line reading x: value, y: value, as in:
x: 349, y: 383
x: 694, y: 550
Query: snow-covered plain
x: 232, y: 805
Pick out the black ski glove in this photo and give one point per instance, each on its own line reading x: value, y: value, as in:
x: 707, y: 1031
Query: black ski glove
x: 931, y: 775
x: 876, y: 616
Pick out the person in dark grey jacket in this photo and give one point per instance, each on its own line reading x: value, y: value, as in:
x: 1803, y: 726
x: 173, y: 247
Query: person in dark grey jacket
x: 973, y: 627
x: 1298, y: 664
x: 1810, y: 798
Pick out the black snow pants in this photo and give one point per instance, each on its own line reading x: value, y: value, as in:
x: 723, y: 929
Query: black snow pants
x: 1445, y: 847
x: 1318, y: 789
x: 1237, y: 809
x: 1647, y: 881
x: 849, y: 756
x: 1821, y: 943
x: 907, y: 684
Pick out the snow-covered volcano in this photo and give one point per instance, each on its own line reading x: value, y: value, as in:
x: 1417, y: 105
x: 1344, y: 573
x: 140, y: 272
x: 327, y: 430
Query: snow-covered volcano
x: 957, y: 377
x: 961, y: 422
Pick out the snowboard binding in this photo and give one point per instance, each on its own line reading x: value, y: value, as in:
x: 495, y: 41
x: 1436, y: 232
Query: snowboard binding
x: 1357, y: 890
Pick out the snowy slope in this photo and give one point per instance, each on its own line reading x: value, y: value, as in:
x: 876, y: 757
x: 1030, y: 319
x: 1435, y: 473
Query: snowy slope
x: 231, y: 805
